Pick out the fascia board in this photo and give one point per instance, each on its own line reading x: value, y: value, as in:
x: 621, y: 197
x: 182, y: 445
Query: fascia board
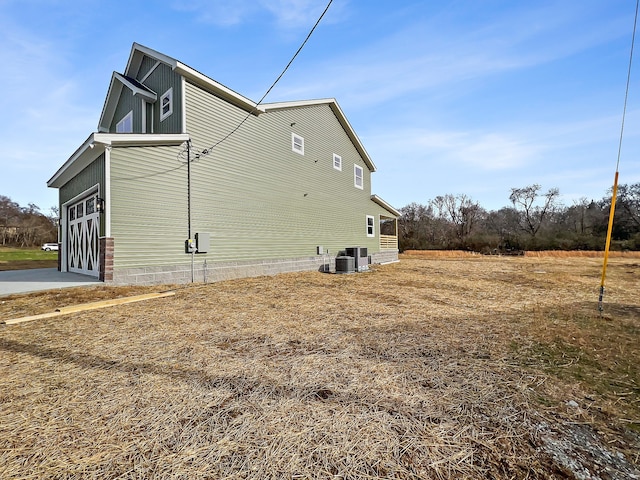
x: 75, y: 163
x: 135, y: 59
x: 139, y: 139
x: 385, y: 205
x: 96, y: 144
x: 218, y: 89
x: 110, y: 103
x: 333, y: 104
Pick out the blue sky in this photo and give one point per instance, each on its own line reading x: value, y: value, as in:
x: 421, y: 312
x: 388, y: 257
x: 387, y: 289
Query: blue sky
x: 449, y: 97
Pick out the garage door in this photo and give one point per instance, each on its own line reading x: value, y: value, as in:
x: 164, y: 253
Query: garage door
x: 82, y: 237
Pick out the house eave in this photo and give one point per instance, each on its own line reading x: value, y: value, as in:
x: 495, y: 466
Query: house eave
x: 385, y: 205
x: 98, y: 142
x: 217, y: 89
x: 146, y: 93
x: 138, y: 51
x: 342, y: 118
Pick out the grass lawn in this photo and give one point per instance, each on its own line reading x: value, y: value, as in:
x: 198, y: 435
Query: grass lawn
x: 26, y: 258
x: 472, y: 367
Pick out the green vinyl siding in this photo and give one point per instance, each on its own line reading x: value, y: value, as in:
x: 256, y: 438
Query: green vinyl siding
x: 89, y: 177
x: 259, y: 199
x: 255, y: 197
x: 148, y: 206
x: 161, y: 80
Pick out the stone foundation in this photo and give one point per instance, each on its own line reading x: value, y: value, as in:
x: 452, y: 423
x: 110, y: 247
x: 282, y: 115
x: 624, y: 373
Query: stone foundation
x: 206, y: 272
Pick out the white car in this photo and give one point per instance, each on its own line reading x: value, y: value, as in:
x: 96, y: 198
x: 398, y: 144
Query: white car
x: 47, y: 247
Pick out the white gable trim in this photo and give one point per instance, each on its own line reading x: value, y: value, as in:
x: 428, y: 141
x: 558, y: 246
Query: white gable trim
x: 139, y: 51
x: 97, y: 143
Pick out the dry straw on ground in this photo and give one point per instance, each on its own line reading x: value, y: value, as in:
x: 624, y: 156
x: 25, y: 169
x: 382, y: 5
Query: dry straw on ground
x: 430, y: 368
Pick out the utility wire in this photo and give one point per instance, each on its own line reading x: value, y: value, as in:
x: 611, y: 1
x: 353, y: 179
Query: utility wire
x: 206, y: 151
x: 626, y: 93
x: 614, y: 193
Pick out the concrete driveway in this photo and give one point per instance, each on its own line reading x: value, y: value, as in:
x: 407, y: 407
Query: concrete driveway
x: 37, y: 279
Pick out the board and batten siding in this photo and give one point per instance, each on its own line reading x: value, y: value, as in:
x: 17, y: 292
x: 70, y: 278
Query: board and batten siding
x: 258, y: 199
x: 92, y: 175
x: 127, y: 103
x: 145, y: 66
x: 162, y: 79
x: 148, y: 206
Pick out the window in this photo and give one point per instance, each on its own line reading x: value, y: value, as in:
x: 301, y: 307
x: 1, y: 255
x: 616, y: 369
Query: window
x: 166, y: 104
x: 371, y: 232
x: 90, y: 205
x: 358, y: 176
x: 337, y: 162
x: 126, y: 124
x: 297, y: 144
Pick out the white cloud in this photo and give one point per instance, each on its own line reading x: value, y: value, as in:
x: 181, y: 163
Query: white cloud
x: 287, y: 13
x: 443, y: 56
x: 476, y: 150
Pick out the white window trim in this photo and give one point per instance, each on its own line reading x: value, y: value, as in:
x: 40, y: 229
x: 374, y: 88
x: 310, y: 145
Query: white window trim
x: 337, y: 162
x: 121, y: 124
x: 294, y: 144
x: 372, y: 226
x: 356, y: 176
x: 168, y: 94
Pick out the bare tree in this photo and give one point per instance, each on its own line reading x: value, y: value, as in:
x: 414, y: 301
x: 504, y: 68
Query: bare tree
x: 461, y: 211
x: 629, y: 201
x: 533, y: 215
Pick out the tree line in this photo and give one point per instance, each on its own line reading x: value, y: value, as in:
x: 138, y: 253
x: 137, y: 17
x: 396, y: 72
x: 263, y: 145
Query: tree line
x: 26, y: 226
x: 534, y: 220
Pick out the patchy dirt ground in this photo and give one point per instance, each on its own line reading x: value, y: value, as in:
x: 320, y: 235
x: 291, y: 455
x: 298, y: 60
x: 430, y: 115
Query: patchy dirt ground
x: 478, y: 367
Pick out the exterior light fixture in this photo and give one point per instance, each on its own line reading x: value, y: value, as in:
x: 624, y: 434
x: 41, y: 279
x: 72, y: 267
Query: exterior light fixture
x: 99, y: 205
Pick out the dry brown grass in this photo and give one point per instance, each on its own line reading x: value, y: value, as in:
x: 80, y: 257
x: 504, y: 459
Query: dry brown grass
x: 430, y: 368
x: 536, y: 254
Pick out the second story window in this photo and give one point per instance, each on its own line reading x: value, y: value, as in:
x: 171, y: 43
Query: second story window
x: 337, y: 162
x: 358, y: 177
x: 297, y: 144
x: 166, y: 104
x: 126, y: 124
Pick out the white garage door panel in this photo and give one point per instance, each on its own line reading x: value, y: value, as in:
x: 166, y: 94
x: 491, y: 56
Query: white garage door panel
x: 83, y: 245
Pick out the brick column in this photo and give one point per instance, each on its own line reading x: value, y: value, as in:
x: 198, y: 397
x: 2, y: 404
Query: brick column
x: 106, y: 259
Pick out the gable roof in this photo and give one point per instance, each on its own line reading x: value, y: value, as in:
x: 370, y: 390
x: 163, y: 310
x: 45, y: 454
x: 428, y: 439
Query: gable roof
x: 333, y: 104
x: 138, y: 52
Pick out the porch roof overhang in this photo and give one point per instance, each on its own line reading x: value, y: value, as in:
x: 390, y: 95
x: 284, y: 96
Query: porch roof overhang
x: 97, y: 143
x: 386, y: 206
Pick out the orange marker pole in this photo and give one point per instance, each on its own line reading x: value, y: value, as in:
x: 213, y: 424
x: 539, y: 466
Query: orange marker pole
x: 608, y: 243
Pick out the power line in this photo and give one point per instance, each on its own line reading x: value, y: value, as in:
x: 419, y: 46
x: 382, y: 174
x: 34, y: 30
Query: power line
x: 614, y: 193
x: 626, y: 93
x: 206, y: 151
